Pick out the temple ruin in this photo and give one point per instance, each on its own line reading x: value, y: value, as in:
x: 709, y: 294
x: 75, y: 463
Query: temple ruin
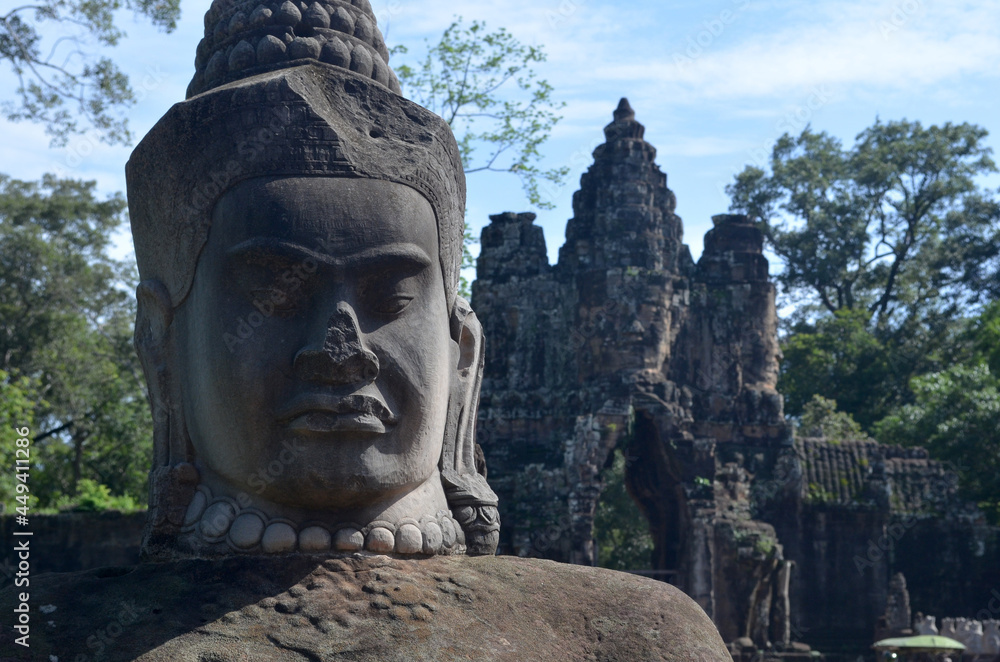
x: 629, y: 343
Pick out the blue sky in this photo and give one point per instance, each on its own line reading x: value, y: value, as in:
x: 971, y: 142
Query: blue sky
x: 715, y: 82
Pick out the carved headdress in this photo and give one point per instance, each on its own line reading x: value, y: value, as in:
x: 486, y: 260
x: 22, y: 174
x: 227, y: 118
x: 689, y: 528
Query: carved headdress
x: 285, y: 88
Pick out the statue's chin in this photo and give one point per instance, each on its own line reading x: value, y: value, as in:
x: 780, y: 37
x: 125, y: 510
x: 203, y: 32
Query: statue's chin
x: 329, y: 495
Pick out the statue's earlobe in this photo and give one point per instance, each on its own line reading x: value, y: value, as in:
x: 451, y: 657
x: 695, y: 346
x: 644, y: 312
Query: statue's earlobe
x: 472, y: 501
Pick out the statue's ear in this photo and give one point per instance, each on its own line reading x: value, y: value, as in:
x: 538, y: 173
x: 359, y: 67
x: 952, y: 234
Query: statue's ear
x: 472, y: 501
x: 154, y: 314
x: 173, y: 479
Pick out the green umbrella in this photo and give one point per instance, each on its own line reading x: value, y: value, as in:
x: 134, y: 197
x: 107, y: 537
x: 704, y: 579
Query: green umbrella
x: 924, y: 643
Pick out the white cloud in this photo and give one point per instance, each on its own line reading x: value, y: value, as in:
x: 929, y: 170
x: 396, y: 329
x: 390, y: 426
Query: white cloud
x: 882, y: 46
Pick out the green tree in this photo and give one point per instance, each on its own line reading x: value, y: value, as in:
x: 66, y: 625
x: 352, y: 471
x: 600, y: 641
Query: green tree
x: 839, y: 357
x: 955, y: 412
x: 49, y: 46
x: 621, y: 533
x: 16, y: 416
x: 484, y: 85
x: 955, y: 417
x: 984, y: 333
x: 883, y: 246
x: 66, y: 340
x: 888, y: 226
x: 821, y: 418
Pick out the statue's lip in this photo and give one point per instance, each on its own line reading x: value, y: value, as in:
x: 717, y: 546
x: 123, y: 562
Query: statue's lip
x: 329, y: 413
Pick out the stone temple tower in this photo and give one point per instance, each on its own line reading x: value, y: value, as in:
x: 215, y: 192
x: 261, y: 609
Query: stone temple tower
x: 628, y: 343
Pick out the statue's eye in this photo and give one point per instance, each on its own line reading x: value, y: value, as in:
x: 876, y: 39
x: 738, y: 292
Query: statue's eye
x: 393, y: 304
x: 389, y: 294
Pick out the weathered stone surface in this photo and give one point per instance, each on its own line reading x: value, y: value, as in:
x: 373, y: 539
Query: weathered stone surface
x: 626, y: 338
x: 235, y: 29
x: 364, y: 609
x: 627, y: 343
x: 308, y: 399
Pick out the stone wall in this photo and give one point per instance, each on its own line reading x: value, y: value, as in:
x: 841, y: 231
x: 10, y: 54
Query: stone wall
x: 74, y: 541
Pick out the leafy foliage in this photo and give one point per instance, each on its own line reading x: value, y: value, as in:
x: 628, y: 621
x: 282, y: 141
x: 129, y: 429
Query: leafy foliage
x: 63, y: 81
x: 955, y: 415
x: 93, y: 497
x: 821, y: 418
x: 889, y: 253
x: 482, y: 83
x: 985, y: 336
x: 895, y: 225
x: 621, y: 533
x: 66, y: 342
x: 839, y: 358
x: 884, y: 246
x: 468, y: 262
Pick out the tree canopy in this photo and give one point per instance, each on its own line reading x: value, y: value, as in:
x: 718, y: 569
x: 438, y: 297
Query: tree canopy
x: 955, y: 413
x: 64, y: 83
x: 889, y: 261
x: 895, y: 226
x: 66, y: 347
x: 883, y: 246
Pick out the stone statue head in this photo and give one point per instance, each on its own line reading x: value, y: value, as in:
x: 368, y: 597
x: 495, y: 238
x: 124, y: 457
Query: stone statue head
x: 313, y: 373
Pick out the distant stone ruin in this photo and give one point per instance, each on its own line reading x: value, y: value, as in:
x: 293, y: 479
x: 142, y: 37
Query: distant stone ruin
x: 628, y: 343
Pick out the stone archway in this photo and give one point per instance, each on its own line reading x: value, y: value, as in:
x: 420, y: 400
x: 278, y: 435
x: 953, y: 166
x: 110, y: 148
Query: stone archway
x: 653, y: 479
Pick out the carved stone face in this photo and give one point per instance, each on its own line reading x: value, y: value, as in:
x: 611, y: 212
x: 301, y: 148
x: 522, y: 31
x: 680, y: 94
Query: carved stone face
x: 316, y: 337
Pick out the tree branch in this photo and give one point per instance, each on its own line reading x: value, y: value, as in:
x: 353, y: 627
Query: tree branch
x: 55, y: 431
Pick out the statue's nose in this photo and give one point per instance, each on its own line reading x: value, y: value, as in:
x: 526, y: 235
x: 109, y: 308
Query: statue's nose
x: 343, y: 358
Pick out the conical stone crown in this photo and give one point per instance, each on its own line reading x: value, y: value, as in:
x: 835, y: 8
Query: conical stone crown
x: 247, y: 37
x: 624, y: 124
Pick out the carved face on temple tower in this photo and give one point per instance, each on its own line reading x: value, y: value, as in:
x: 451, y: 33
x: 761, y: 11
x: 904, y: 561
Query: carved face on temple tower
x: 313, y: 373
